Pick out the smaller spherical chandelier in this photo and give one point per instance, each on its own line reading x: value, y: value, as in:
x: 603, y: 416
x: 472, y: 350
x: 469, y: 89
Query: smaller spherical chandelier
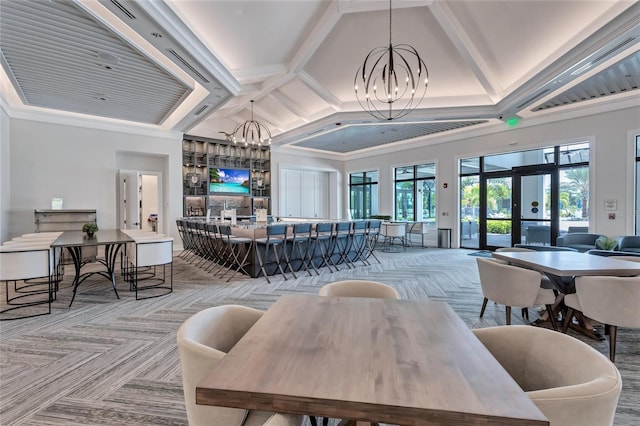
x: 393, y: 76
x: 251, y: 132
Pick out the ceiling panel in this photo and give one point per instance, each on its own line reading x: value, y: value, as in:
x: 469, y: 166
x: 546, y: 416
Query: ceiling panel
x: 621, y: 77
x: 60, y: 57
x: 357, y: 137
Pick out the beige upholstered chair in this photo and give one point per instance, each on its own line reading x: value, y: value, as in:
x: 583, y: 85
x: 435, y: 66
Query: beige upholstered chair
x: 570, y: 382
x: 203, y: 340
x: 613, y: 301
x: 359, y: 288
x: 513, y: 286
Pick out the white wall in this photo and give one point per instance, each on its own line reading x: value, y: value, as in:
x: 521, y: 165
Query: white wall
x: 5, y: 175
x: 610, y: 136
x: 41, y: 160
x: 80, y: 164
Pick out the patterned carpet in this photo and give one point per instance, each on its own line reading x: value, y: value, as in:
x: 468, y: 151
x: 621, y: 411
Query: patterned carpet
x: 106, y: 361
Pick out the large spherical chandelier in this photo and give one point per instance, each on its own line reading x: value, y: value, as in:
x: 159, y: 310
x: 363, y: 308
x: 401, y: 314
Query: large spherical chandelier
x: 251, y: 132
x: 392, y: 80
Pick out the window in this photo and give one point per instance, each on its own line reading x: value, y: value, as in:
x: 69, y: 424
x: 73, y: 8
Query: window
x: 415, y: 193
x: 363, y: 194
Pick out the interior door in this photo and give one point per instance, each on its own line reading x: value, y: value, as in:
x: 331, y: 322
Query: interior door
x: 129, y: 217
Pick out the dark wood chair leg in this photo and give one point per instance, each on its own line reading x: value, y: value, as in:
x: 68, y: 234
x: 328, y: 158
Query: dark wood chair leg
x: 484, y: 306
x: 613, y: 330
x: 552, y: 317
x: 567, y: 320
x: 508, y: 315
x: 525, y: 314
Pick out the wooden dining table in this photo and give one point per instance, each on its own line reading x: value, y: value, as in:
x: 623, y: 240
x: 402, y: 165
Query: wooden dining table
x: 562, y: 267
x: 570, y: 263
x: 406, y: 362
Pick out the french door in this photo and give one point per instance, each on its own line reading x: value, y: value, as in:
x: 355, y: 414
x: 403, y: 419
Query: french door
x: 519, y: 207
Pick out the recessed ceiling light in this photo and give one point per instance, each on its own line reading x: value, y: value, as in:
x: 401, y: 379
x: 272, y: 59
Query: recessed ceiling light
x: 156, y: 35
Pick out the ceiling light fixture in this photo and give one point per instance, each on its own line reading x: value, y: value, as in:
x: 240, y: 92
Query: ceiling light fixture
x: 385, y: 83
x: 251, y: 132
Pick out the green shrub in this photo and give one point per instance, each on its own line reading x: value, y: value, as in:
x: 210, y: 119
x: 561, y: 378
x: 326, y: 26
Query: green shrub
x: 498, y: 227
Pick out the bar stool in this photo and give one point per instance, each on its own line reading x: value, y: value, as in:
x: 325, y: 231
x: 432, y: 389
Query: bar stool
x: 300, y: 241
x: 235, y: 246
x: 342, y: 243
x: 322, y: 243
x: 276, y: 242
x: 359, y: 242
x: 372, y: 235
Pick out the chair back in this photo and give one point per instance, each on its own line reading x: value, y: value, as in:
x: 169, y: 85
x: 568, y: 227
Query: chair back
x: 507, y: 284
x: 610, y: 300
x: 629, y: 243
x: 324, y: 228
x: 153, y: 251
x: 25, y: 261
x: 569, y: 381
x: 277, y: 230
x: 203, y: 340
x: 359, y: 288
x: 395, y: 229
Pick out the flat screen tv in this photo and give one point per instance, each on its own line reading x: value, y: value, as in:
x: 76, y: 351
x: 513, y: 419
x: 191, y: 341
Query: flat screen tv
x: 228, y: 181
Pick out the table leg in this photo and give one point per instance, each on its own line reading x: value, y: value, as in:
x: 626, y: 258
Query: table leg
x: 111, y: 256
x: 76, y: 257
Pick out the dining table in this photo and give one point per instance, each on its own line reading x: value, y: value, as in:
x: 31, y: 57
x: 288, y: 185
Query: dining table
x: 562, y: 267
x: 365, y: 360
x: 74, y: 241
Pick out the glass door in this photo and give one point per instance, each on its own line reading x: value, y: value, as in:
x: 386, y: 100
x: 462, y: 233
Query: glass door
x: 534, y: 210
x: 519, y: 208
x: 498, y: 212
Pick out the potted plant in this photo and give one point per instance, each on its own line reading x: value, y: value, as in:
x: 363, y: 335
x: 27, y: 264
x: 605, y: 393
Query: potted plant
x: 90, y: 228
x: 605, y: 243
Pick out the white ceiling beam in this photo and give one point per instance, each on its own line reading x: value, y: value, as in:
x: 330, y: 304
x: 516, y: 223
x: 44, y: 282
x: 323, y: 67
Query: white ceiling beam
x: 464, y: 45
x: 319, y: 90
x: 290, y: 105
x: 254, y: 75
x: 320, y: 31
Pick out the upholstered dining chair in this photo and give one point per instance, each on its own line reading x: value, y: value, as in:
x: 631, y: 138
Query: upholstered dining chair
x: 203, y: 340
x: 612, y: 301
x: 569, y: 381
x: 359, y: 288
x: 513, y: 286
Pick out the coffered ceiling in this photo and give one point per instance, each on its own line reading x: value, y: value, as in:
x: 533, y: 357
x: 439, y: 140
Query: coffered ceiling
x: 194, y: 66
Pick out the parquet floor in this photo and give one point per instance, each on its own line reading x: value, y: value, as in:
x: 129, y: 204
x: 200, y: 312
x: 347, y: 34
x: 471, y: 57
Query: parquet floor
x: 106, y: 361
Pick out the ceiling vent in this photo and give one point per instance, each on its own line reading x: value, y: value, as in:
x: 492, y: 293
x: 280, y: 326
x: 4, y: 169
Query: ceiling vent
x: 532, y: 99
x: 188, y: 65
x: 201, y: 109
x: 603, y: 56
x: 123, y: 9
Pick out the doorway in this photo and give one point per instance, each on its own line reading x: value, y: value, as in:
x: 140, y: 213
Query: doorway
x: 520, y: 207
x: 140, y: 198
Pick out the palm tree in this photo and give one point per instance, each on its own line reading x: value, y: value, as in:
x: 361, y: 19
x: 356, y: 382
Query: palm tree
x: 579, y: 182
